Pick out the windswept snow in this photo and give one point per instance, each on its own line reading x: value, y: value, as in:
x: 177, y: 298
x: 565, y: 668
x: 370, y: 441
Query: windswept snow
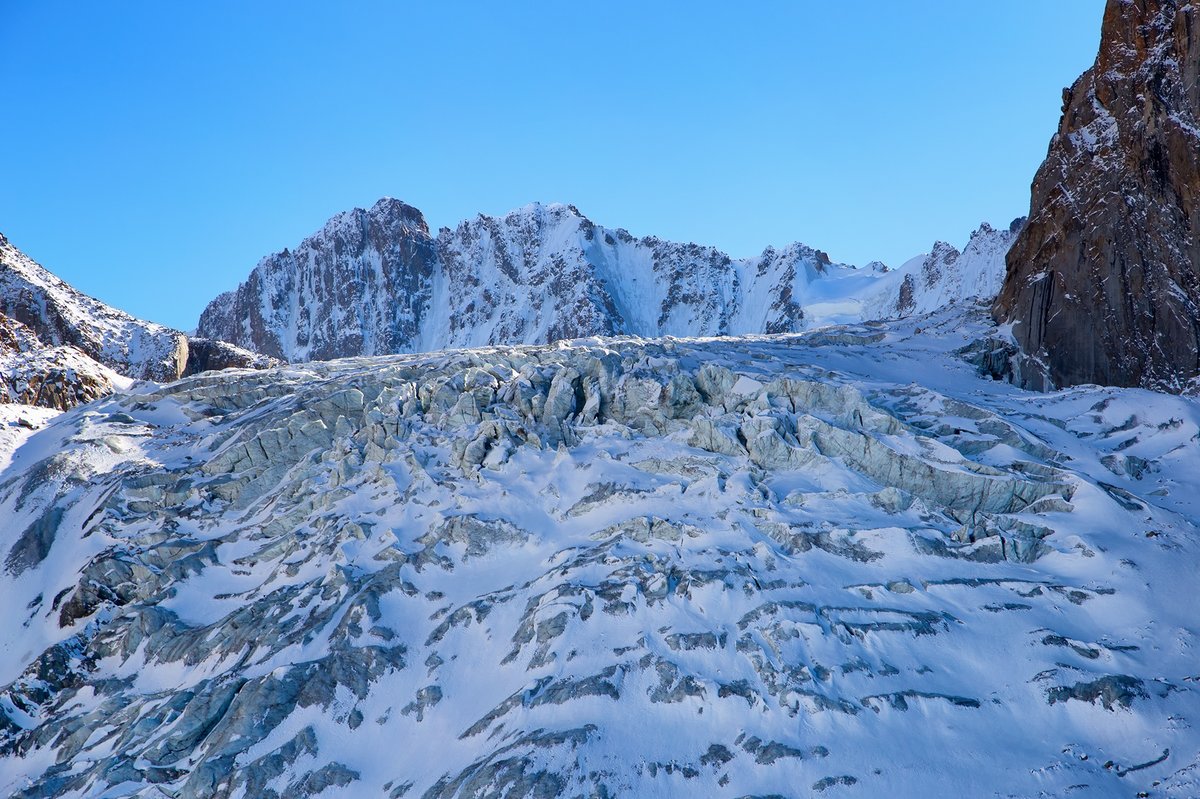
x: 17, y: 423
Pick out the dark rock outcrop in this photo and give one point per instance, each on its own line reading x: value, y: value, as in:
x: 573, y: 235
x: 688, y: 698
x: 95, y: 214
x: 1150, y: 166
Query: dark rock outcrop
x: 206, y: 355
x: 1103, y: 283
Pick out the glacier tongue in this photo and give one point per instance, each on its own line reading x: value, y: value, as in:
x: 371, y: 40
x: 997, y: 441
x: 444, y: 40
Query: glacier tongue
x: 760, y: 566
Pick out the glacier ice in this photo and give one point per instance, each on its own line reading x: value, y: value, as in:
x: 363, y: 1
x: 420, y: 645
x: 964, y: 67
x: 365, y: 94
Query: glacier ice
x: 838, y: 562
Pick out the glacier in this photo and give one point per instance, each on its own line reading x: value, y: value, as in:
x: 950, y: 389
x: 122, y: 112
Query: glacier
x: 839, y: 562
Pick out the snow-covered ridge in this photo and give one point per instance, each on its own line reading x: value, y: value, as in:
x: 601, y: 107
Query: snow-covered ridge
x: 59, y: 315
x: 60, y: 348
x: 837, y: 563
x: 943, y: 277
x: 376, y: 281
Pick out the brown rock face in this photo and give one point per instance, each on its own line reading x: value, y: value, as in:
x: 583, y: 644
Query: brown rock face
x: 1103, y: 283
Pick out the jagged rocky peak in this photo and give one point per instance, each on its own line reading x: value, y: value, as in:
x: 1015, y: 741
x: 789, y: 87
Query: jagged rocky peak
x: 1103, y: 283
x: 522, y: 277
x: 946, y: 275
x: 374, y: 282
x: 546, y: 272
x: 537, y: 274
x: 359, y: 285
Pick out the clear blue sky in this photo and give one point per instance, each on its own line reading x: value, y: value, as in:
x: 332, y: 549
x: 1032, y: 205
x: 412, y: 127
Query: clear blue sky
x: 152, y: 152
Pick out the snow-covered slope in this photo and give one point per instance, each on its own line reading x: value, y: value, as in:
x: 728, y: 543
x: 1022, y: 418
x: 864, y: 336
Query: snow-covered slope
x: 60, y: 315
x: 376, y: 282
x: 17, y: 423
x: 553, y: 274
x: 944, y: 277
x: 835, y: 564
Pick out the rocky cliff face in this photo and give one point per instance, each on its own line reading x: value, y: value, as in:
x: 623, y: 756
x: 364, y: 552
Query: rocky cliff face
x: 374, y: 282
x: 833, y: 564
x: 361, y: 285
x: 544, y: 273
x: 1103, y: 284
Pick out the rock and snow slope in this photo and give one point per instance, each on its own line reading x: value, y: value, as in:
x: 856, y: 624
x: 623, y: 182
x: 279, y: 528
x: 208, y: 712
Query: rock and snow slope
x: 61, y: 377
x: 60, y: 348
x: 837, y: 563
x: 376, y: 282
x: 59, y: 315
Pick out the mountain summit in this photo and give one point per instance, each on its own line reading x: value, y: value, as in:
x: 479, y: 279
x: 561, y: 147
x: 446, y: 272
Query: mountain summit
x: 375, y: 282
x: 1103, y: 283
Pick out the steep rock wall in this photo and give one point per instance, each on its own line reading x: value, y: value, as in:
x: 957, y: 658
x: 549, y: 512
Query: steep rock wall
x: 1103, y: 283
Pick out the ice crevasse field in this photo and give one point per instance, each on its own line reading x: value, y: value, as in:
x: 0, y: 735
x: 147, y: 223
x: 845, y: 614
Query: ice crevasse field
x: 832, y: 563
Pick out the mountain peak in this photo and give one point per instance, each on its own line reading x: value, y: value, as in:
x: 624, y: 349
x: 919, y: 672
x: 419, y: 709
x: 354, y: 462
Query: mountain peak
x: 385, y: 212
x: 555, y: 212
x: 375, y: 282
